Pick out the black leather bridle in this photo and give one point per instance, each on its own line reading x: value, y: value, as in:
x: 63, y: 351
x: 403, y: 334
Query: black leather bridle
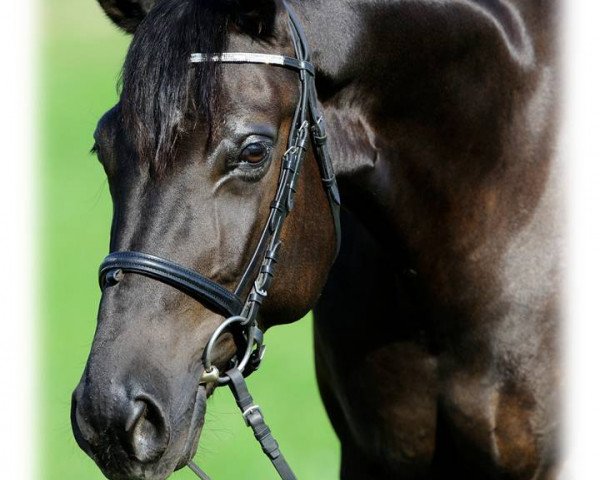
x: 241, y: 316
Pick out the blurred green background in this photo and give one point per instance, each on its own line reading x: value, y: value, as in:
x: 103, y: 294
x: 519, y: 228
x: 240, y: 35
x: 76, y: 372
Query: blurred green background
x: 81, y: 56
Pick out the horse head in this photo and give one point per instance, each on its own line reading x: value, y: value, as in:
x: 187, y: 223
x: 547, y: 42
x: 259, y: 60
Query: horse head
x: 194, y: 154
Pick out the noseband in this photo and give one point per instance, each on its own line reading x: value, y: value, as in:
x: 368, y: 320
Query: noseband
x: 241, y: 316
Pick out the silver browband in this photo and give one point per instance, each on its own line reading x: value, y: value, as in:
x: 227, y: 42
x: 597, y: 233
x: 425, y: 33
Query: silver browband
x: 262, y: 58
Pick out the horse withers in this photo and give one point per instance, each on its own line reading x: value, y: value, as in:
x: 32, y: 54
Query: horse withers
x: 436, y: 328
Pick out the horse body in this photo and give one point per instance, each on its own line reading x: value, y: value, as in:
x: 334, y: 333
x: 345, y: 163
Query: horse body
x: 436, y: 332
x: 445, y: 358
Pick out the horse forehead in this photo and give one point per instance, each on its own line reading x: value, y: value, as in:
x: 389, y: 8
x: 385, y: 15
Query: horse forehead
x: 261, y: 87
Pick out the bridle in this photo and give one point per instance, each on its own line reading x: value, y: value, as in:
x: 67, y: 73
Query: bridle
x: 241, y: 316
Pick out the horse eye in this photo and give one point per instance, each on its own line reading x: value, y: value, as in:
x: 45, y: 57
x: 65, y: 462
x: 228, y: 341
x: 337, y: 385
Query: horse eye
x: 254, y: 153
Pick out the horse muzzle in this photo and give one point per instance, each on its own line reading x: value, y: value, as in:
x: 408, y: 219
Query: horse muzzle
x: 129, y: 434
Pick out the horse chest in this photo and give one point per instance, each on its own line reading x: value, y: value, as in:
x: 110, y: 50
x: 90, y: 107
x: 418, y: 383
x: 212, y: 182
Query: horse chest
x: 408, y: 413
x: 382, y: 408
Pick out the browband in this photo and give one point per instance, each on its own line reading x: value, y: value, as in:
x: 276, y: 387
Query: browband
x: 260, y: 58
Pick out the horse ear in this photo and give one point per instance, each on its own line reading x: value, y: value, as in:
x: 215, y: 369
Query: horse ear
x: 127, y: 14
x: 256, y: 17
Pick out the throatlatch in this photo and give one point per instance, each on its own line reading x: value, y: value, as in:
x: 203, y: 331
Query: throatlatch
x: 241, y: 316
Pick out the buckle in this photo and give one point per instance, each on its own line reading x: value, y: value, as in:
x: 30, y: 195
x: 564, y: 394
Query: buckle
x: 249, y: 411
x: 256, y: 358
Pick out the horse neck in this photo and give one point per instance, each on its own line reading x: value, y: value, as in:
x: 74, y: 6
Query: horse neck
x: 413, y: 133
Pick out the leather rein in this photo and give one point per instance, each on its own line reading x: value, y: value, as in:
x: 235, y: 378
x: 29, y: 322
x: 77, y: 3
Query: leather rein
x: 242, y: 316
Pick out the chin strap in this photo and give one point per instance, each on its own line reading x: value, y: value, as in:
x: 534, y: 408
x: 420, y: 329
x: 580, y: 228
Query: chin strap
x: 254, y: 419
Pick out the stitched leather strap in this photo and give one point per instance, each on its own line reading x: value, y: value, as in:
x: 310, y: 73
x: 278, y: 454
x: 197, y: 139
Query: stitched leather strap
x: 202, y: 289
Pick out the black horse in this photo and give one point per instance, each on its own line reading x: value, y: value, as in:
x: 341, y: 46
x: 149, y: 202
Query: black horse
x: 436, y: 329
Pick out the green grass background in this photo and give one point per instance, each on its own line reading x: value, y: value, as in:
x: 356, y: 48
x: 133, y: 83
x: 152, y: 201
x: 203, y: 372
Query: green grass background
x: 81, y: 56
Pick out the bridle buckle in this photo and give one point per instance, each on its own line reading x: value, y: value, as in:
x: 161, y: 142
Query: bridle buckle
x: 249, y: 411
x: 256, y: 358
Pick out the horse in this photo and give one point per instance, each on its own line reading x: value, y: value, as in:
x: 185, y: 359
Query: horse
x: 436, y: 325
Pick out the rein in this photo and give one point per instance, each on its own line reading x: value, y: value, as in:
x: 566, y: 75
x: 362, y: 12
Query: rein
x: 241, y: 316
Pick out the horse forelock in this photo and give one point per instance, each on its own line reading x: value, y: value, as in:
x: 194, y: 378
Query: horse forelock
x: 162, y: 94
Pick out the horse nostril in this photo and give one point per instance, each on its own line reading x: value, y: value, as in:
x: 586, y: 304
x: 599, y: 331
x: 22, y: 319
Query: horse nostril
x: 146, y: 429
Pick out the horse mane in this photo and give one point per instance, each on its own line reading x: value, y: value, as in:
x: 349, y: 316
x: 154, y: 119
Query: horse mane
x: 162, y: 94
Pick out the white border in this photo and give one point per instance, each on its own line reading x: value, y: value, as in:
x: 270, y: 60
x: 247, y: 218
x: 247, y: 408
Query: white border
x: 17, y: 287
x: 581, y: 149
